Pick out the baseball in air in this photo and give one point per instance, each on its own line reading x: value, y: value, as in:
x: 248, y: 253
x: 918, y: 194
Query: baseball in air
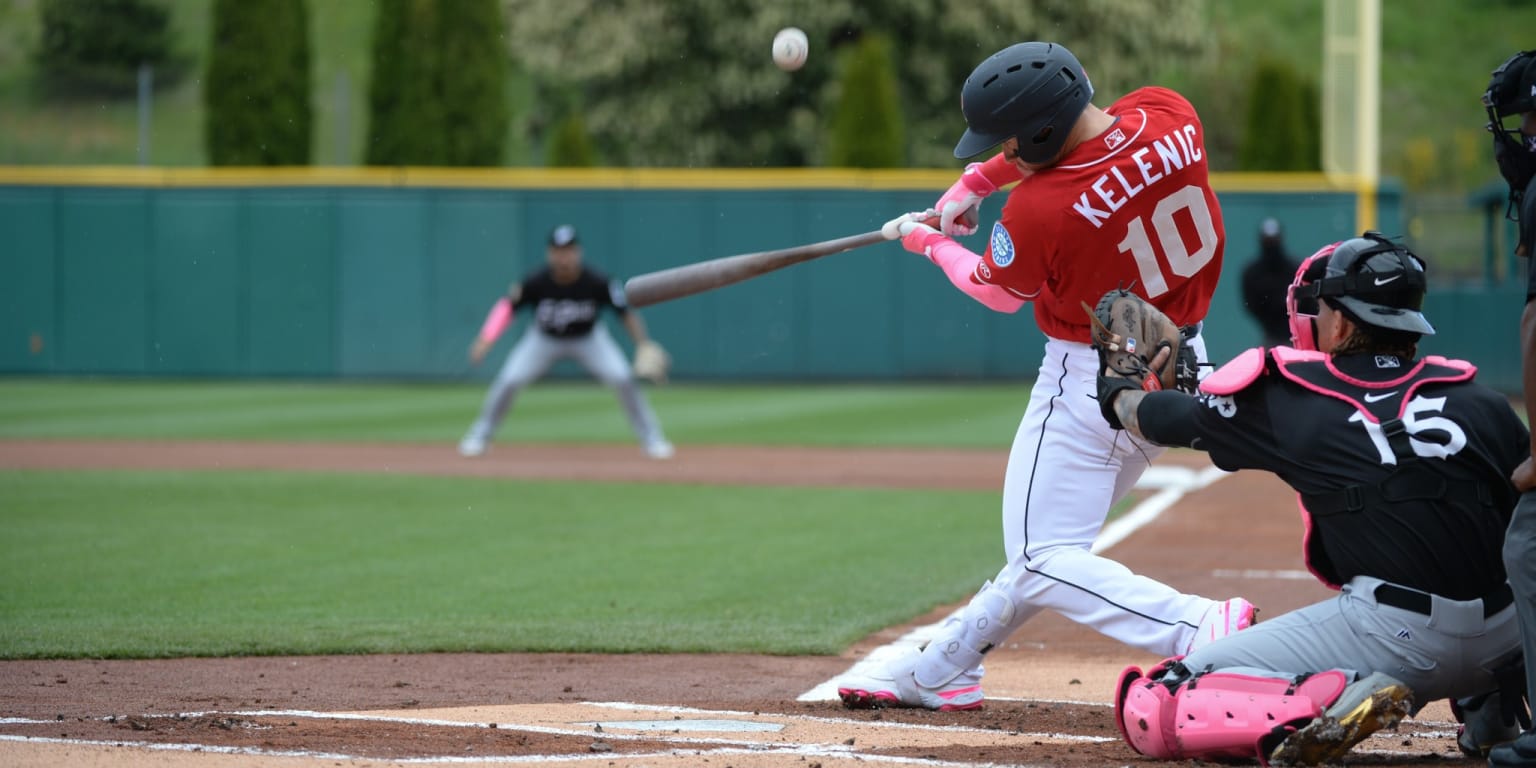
x: 790, y: 47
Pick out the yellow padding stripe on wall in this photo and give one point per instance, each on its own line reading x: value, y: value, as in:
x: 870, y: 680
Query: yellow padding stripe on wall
x: 571, y: 178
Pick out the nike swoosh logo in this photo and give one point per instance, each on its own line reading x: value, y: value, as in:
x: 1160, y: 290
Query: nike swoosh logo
x: 1379, y: 398
x: 1380, y: 281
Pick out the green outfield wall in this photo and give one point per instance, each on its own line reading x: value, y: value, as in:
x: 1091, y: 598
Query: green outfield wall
x: 388, y: 273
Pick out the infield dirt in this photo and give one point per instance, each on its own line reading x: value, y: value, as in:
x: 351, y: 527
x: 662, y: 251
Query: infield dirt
x: 1048, y: 688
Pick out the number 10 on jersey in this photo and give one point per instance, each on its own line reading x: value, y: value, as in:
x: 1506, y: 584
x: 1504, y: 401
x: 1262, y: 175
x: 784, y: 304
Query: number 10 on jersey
x: 1180, y: 260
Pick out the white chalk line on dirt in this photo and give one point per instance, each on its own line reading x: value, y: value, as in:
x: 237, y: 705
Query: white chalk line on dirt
x: 849, y: 721
x: 735, y: 747
x: 1172, y: 483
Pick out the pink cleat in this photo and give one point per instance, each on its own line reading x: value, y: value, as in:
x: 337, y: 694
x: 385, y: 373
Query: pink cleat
x: 1222, y: 619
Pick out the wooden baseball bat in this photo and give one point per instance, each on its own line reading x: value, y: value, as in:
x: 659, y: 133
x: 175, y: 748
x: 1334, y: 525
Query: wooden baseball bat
x: 674, y: 283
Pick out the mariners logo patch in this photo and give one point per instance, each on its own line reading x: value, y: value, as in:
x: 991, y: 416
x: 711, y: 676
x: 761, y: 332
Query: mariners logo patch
x: 1002, y: 245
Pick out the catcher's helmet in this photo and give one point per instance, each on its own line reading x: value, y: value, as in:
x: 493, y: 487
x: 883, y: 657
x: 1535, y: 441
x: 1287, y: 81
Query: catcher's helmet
x: 1032, y: 91
x: 1374, y: 280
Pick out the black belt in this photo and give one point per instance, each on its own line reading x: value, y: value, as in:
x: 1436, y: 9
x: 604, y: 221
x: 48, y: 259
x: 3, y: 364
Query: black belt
x: 1190, y: 331
x: 1420, y: 602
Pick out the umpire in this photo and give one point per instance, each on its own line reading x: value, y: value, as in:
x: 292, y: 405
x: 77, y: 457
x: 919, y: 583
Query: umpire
x: 1402, y: 465
x: 1512, y: 92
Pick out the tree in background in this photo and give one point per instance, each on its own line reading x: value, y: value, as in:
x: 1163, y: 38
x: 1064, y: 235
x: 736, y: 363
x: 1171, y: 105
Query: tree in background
x: 866, y: 128
x: 691, y: 83
x: 438, y: 90
x: 95, y: 47
x: 569, y: 144
x: 1283, y: 131
x: 257, y: 90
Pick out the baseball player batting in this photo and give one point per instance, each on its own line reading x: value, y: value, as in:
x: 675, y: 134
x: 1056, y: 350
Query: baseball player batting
x: 1104, y: 198
x: 1402, y: 468
x: 566, y: 297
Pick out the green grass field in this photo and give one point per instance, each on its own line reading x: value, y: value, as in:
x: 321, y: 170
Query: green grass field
x: 853, y: 415
x: 155, y: 564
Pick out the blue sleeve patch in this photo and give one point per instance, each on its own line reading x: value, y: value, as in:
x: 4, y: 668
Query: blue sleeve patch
x: 1002, y: 245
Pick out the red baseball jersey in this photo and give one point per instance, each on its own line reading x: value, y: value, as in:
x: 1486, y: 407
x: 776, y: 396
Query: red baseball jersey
x: 1131, y: 207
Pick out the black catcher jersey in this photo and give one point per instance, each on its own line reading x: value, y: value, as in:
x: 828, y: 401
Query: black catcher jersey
x: 570, y: 310
x: 1402, y: 466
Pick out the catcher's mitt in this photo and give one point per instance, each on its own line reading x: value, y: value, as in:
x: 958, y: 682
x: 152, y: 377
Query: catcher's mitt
x: 651, y: 361
x: 1129, y: 333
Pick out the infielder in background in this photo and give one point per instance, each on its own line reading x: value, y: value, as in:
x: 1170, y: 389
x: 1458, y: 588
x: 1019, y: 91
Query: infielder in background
x: 1104, y: 198
x: 567, y: 297
x: 1401, y: 465
x: 1512, y: 91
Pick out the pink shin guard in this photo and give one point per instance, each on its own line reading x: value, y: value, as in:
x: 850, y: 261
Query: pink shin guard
x: 1216, y: 715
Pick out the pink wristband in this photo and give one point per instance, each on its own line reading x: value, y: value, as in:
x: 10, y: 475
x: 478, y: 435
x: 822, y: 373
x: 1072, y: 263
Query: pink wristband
x: 959, y: 264
x: 497, y: 320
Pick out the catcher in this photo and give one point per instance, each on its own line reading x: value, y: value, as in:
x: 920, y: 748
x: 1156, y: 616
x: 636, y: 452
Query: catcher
x: 1401, y: 464
x: 566, y: 297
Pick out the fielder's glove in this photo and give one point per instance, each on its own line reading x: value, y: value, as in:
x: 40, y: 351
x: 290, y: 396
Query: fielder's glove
x: 651, y: 361
x: 1130, y: 336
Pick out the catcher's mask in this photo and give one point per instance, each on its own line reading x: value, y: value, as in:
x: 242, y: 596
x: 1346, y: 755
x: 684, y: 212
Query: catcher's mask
x: 1374, y: 280
x: 1301, y: 303
x: 1512, y: 91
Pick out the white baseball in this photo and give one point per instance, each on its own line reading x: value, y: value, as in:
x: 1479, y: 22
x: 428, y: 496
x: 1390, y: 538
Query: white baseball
x: 790, y: 47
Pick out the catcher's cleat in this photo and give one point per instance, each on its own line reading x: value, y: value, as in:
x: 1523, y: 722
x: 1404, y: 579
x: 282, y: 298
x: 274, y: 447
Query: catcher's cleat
x: 896, y: 686
x: 1222, y: 619
x: 660, y: 449
x: 1365, y: 707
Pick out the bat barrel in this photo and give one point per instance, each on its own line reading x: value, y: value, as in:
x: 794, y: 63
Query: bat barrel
x: 686, y: 280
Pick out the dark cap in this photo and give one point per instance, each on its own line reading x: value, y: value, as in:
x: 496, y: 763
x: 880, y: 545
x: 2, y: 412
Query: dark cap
x: 1380, y: 282
x: 1030, y: 91
x: 562, y: 236
x: 1512, y: 88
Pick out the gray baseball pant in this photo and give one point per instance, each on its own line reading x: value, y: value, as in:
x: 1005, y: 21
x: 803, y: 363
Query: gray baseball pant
x: 1451, y: 653
x: 1520, y: 563
x: 536, y: 351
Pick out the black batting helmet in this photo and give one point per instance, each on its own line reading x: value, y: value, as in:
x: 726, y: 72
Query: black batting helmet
x: 1377, y: 282
x: 1032, y: 91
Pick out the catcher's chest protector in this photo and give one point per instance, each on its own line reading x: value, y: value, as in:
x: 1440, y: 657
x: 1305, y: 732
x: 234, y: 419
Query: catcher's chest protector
x: 1381, y: 402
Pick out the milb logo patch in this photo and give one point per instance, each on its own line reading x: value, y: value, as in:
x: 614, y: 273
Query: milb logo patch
x: 1002, y: 245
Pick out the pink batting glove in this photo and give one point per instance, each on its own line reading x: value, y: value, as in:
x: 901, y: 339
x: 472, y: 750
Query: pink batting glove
x: 960, y: 207
x: 920, y: 238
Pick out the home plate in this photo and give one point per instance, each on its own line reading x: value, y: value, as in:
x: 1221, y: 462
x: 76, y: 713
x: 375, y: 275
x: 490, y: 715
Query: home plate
x: 717, y: 726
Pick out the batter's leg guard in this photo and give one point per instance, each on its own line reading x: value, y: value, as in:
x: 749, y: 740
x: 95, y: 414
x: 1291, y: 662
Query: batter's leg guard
x: 1368, y: 705
x: 1171, y: 714
x: 985, y: 622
